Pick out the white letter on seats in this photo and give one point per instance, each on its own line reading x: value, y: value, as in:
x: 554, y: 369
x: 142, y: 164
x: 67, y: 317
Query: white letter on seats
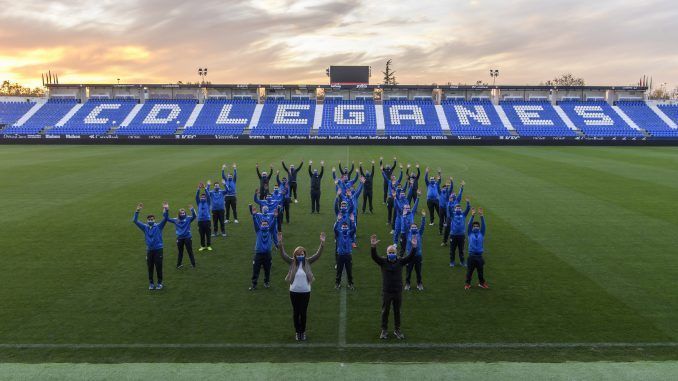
x: 480, y: 115
x: 354, y: 117
x: 417, y: 115
x: 93, y: 117
x: 224, y: 119
x: 594, y: 116
x: 529, y: 117
x: 288, y: 114
x: 152, y: 117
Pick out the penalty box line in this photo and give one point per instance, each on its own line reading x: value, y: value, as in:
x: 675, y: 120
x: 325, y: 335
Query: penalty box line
x: 601, y: 345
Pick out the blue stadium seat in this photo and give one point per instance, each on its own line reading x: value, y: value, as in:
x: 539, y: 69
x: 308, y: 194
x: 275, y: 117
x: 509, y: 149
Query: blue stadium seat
x: 348, y: 117
x: 96, y: 117
x: 535, y: 118
x: 286, y: 117
x: 159, y: 117
x: 473, y: 118
x: 223, y: 117
x: 641, y: 114
x: 12, y: 111
x: 411, y: 117
x: 597, y: 119
x: 671, y: 110
x: 48, y: 115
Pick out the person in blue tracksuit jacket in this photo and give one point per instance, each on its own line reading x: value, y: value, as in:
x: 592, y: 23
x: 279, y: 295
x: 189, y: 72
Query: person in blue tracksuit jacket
x: 443, y: 195
x: 292, y: 176
x: 286, y: 192
x: 267, y: 237
x: 204, y: 218
x: 452, y: 200
x: 403, y: 223
x: 393, y: 188
x: 343, y: 232
x: 399, y: 200
x: 154, y: 245
x: 182, y: 226
x: 418, y: 232
x: 343, y: 182
x: 230, y: 201
x: 476, y: 242
x: 457, y: 220
x: 217, y: 202
x: 432, y: 194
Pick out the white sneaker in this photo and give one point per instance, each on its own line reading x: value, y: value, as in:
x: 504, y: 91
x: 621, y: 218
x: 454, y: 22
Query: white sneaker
x: 420, y: 287
x: 407, y: 287
x: 391, y: 232
x: 431, y: 224
x: 227, y: 221
x: 236, y: 221
x: 295, y: 201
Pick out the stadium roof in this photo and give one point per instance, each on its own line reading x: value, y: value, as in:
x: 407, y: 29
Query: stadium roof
x: 309, y: 86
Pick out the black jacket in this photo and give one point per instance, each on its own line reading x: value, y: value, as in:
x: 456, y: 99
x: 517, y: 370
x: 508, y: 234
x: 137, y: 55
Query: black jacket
x: 392, y: 272
x: 316, y: 180
x: 263, y: 182
x: 367, y: 186
x: 292, y: 174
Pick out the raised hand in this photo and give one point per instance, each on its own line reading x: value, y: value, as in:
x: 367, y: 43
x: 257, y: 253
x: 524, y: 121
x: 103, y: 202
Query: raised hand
x: 381, y: 158
x: 310, y: 162
x: 140, y: 206
x: 408, y: 165
x: 165, y: 205
x: 201, y: 185
x: 373, y: 240
x: 463, y: 183
x: 234, y: 166
x: 467, y: 199
x: 480, y: 211
x: 334, y: 169
x: 322, y: 162
x: 417, y: 166
x: 257, y: 165
x: 277, y: 172
x: 372, y: 161
x: 418, y: 191
x: 423, y: 213
x: 322, y: 238
x: 209, y: 182
x: 362, y: 179
x: 473, y: 211
x: 190, y: 206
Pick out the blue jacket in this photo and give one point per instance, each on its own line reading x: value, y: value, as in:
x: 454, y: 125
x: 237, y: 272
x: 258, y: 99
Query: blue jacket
x: 284, y: 188
x: 432, y: 188
x: 183, y: 227
x: 451, y: 203
x: 457, y: 221
x: 419, y: 234
x: 216, y: 198
x: 476, y: 240
x: 152, y: 234
x: 443, y: 195
x: 203, y: 206
x: 266, y: 238
x: 272, y: 204
x: 344, y: 238
x: 403, y: 222
x: 229, y: 185
x: 344, y: 184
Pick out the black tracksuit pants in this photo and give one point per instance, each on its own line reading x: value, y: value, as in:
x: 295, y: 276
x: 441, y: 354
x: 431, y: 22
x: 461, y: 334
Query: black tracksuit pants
x: 315, y: 201
x: 367, y: 197
x: 442, y: 213
x: 389, y: 206
x: 231, y: 204
x: 457, y: 242
x: 154, y: 261
x: 388, y: 299
x: 416, y: 265
x: 432, y: 209
x: 475, y: 262
x: 299, y: 307
x: 218, y: 219
x: 386, y: 195
x: 261, y: 260
x: 344, y: 261
x: 205, y: 230
x: 403, y: 244
x: 286, y: 209
x: 293, y: 189
x: 188, y: 244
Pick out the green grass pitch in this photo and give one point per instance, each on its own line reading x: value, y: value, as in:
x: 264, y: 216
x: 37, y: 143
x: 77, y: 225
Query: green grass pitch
x: 581, y: 258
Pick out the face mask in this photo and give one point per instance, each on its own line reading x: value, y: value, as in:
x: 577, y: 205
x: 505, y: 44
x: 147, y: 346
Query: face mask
x: 476, y: 229
x: 151, y: 223
x: 391, y: 257
x: 216, y: 189
x: 315, y: 173
x: 367, y: 173
x: 300, y: 258
x: 414, y: 231
x: 269, y: 199
x: 182, y: 216
x: 406, y: 211
x: 457, y: 211
x: 202, y: 199
x: 230, y: 178
x: 264, y: 227
x: 344, y: 229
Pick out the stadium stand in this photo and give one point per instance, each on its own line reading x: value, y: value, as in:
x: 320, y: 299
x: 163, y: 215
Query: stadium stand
x: 670, y: 110
x: 411, y: 117
x: 47, y: 116
x: 223, y: 117
x: 286, y: 117
x: 643, y: 116
x: 597, y: 118
x: 473, y: 118
x: 348, y: 117
x: 159, y: 117
x: 535, y: 118
x: 96, y: 117
x: 10, y: 112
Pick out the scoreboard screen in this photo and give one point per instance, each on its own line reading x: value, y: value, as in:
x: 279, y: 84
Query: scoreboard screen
x: 350, y: 75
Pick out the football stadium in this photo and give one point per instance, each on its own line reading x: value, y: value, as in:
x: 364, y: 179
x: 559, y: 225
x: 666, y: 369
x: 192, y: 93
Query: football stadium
x: 495, y: 230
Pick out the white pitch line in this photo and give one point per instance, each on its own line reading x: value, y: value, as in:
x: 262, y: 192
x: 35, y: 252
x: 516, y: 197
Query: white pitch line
x: 342, y: 317
x: 385, y: 345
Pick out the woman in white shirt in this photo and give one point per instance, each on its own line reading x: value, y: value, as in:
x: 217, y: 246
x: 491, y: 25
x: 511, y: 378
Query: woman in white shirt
x: 300, y: 278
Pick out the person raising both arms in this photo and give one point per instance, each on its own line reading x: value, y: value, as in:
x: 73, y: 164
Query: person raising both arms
x: 316, y: 180
x: 184, y: 238
x: 217, y: 198
x: 154, y: 245
x: 368, y: 183
x: 292, y: 176
x: 418, y: 233
x: 299, y: 277
x: 267, y: 237
x: 230, y: 191
x: 476, y: 242
x: 264, y: 180
x: 387, y: 172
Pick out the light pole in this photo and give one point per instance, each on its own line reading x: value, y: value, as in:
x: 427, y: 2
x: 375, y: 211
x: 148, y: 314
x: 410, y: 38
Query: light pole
x: 202, y: 72
x: 494, y: 73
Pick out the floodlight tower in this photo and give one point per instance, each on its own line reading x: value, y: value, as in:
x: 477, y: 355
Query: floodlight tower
x: 202, y: 72
x: 494, y: 73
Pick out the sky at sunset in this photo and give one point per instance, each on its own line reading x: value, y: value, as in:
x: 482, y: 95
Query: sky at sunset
x: 278, y: 41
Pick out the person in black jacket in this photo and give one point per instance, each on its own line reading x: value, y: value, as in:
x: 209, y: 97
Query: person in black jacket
x: 388, y: 171
x: 392, y: 283
x: 414, y: 182
x: 367, y: 186
x: 316, y: 179
x: 264, y: 179
x: 292, y: 177
x: 346, y: 171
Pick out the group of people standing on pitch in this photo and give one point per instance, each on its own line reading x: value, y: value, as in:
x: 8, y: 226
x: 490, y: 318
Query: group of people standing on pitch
x: 215, y: 202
